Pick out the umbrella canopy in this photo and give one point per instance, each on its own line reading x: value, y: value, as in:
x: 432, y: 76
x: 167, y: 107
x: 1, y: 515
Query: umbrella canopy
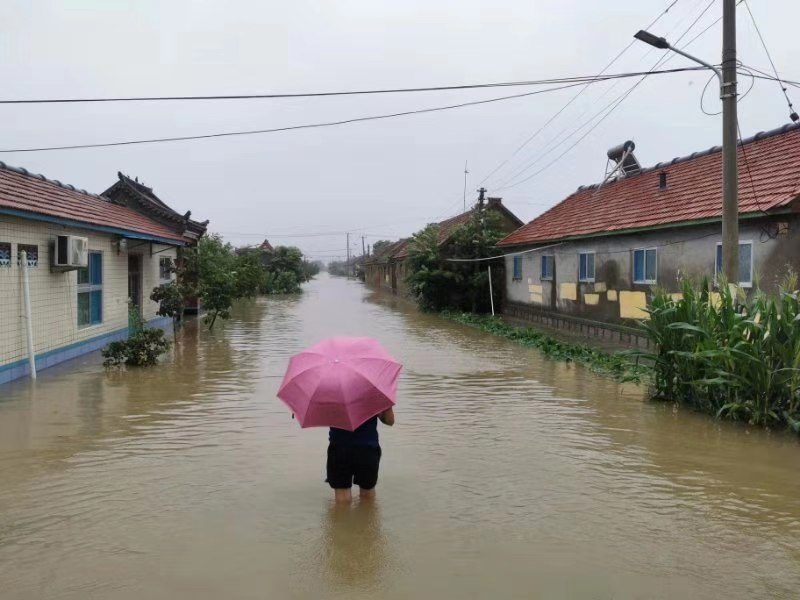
x: 340, y: 382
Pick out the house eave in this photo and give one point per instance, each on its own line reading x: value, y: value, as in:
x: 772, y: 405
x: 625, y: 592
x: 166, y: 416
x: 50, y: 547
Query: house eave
x: 649, y: 228
x: 122, y: 232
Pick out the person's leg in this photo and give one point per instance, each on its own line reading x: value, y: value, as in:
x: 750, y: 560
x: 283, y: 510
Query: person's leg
x: 342, y: 495
x: 366, y: 471
x: 340, y: 475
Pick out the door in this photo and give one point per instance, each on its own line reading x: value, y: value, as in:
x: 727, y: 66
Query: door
x: 135, y: 292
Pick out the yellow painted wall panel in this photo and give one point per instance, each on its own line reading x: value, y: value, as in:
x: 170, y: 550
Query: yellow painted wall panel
x: 611, y: 295
x: 632, y: 305
x: 599, y: 287
x: 591, y: 299
x: 677, y: 296
x: 568, y: 291
x: 536, y: 298
x: 535, y: 289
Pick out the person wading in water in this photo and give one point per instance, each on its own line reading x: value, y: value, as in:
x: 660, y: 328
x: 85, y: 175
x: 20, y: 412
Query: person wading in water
x: 354, y: 457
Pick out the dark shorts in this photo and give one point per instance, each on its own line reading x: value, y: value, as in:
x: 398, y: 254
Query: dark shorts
x: 353, y: 464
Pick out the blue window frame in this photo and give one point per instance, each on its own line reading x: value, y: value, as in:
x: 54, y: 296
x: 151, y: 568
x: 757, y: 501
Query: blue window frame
x: 586, y: 266
x: 645, y: 265
x: 548, y: 263
x: 90, y: 291
x: 745, y: 263
x: 517, y: 268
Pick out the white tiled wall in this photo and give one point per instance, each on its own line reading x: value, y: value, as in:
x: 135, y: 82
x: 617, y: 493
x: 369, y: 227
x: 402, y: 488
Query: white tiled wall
x: 54, y: 296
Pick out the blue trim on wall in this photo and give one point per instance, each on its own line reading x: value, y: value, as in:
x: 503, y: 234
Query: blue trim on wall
x: 20, y: 368
x: 135, y: 235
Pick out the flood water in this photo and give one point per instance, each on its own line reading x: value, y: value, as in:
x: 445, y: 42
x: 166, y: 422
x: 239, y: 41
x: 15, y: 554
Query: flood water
x: 506, y: 476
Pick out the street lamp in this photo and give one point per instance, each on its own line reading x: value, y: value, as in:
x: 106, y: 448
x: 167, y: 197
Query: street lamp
x: 730, y: 125
x: 663, y: 44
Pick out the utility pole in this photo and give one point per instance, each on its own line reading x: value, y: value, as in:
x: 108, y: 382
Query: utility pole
x: 348, y: 255
x: 730, y: 183
x: 465, y: 186
x: 363, y: 250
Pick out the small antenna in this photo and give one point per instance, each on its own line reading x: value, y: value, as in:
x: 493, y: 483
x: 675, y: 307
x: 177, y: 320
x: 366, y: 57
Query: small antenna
x: 465, y: 185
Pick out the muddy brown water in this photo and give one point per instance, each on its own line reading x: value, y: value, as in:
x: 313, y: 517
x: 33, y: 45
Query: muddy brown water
x: 506, y: 476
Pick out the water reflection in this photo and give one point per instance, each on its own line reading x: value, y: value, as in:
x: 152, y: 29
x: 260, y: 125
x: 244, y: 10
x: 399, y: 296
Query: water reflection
x: 354, y: 546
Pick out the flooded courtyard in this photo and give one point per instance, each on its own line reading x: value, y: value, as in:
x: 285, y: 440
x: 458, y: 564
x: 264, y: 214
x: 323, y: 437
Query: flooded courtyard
x: 506, y: 476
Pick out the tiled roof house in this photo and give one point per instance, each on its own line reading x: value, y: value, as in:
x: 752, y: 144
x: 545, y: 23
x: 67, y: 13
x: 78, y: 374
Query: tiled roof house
x: 112, y: 253
x: 606, y: 246
x: 388, y: 269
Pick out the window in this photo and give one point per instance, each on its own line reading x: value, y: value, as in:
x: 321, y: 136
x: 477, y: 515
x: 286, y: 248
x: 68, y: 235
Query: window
x: 5, y: 254
x: 645, y: 264
x: 517, y: 268
x: 90, y: 291
x: 745, y: 263
x: 586, y: 266
x: 165, y: 268
x: 547, y: 267
x: 31, y: 252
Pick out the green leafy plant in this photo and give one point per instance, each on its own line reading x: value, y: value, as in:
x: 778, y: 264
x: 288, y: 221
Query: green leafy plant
x: 171, y: 301
x: 441, y: 284
x: 618, y: 365
x: 720, y: 353
x: 141, y: 349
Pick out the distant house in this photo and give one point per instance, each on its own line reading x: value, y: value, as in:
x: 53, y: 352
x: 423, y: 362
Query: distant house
x: 127, y: 241
x: 388, y: 268
x: 601, y: 252
x: 265, y: 246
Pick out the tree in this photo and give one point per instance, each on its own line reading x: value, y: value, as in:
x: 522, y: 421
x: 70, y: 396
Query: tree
x: 439, y: 284
x: 379, y: 246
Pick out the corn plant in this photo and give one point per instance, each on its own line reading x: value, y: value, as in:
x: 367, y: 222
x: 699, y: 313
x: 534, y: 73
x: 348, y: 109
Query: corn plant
x: 720, y: 353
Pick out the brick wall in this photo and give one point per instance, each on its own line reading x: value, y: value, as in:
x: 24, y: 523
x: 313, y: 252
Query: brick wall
x: 54, y: 296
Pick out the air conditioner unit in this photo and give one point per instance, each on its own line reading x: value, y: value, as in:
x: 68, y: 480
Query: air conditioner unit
x: 71, y: 252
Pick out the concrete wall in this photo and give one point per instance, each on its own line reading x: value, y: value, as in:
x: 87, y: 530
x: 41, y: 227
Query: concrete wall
x: 686, y: 251
x: 54, y: 296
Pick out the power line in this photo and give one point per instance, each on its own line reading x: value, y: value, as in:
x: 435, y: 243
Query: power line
x: 329, y: 123
x: 665, y: 58
x: 443, y: 88
x: 792, y: 114
x: 549, y: 147
x: 573, y: 99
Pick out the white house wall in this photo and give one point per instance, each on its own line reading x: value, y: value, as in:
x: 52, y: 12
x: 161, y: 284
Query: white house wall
x: 54, y: 296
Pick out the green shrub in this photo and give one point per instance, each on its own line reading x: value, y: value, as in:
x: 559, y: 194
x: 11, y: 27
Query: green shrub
x: 617, y: 365
x: 141, y: 349
x: 722, y: 354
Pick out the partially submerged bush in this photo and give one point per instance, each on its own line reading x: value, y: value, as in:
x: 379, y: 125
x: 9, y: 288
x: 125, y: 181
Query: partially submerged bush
x: 722, y: 354
x: 142, y: 349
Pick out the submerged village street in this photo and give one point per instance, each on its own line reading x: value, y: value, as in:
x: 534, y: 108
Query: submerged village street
x: 507, y: 475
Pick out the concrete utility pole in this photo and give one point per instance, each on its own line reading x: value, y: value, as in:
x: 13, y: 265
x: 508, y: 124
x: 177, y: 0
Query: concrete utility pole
x: 730, y: 127
x: 465, y: 185
x: 347, y: 266
x: 730, y: 173
x: 363, y: 249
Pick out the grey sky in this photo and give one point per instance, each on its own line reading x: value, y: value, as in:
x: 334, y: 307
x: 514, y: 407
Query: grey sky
x: 383, y: 178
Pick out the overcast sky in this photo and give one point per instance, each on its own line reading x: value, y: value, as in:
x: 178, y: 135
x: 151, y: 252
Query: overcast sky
x: 381, y: 178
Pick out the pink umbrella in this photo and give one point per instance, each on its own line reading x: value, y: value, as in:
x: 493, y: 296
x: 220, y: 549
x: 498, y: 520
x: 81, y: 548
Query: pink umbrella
x: 340, y: 382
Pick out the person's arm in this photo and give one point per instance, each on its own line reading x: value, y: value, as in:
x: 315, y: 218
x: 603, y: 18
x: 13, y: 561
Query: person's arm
x: 387, y: 417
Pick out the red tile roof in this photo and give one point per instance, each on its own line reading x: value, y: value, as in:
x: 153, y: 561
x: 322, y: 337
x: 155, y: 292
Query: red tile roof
x: 694, y: 191
x: 23, y: 191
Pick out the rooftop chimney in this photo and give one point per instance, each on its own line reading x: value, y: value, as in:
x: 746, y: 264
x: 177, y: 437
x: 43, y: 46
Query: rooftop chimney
x: 494, y: 201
